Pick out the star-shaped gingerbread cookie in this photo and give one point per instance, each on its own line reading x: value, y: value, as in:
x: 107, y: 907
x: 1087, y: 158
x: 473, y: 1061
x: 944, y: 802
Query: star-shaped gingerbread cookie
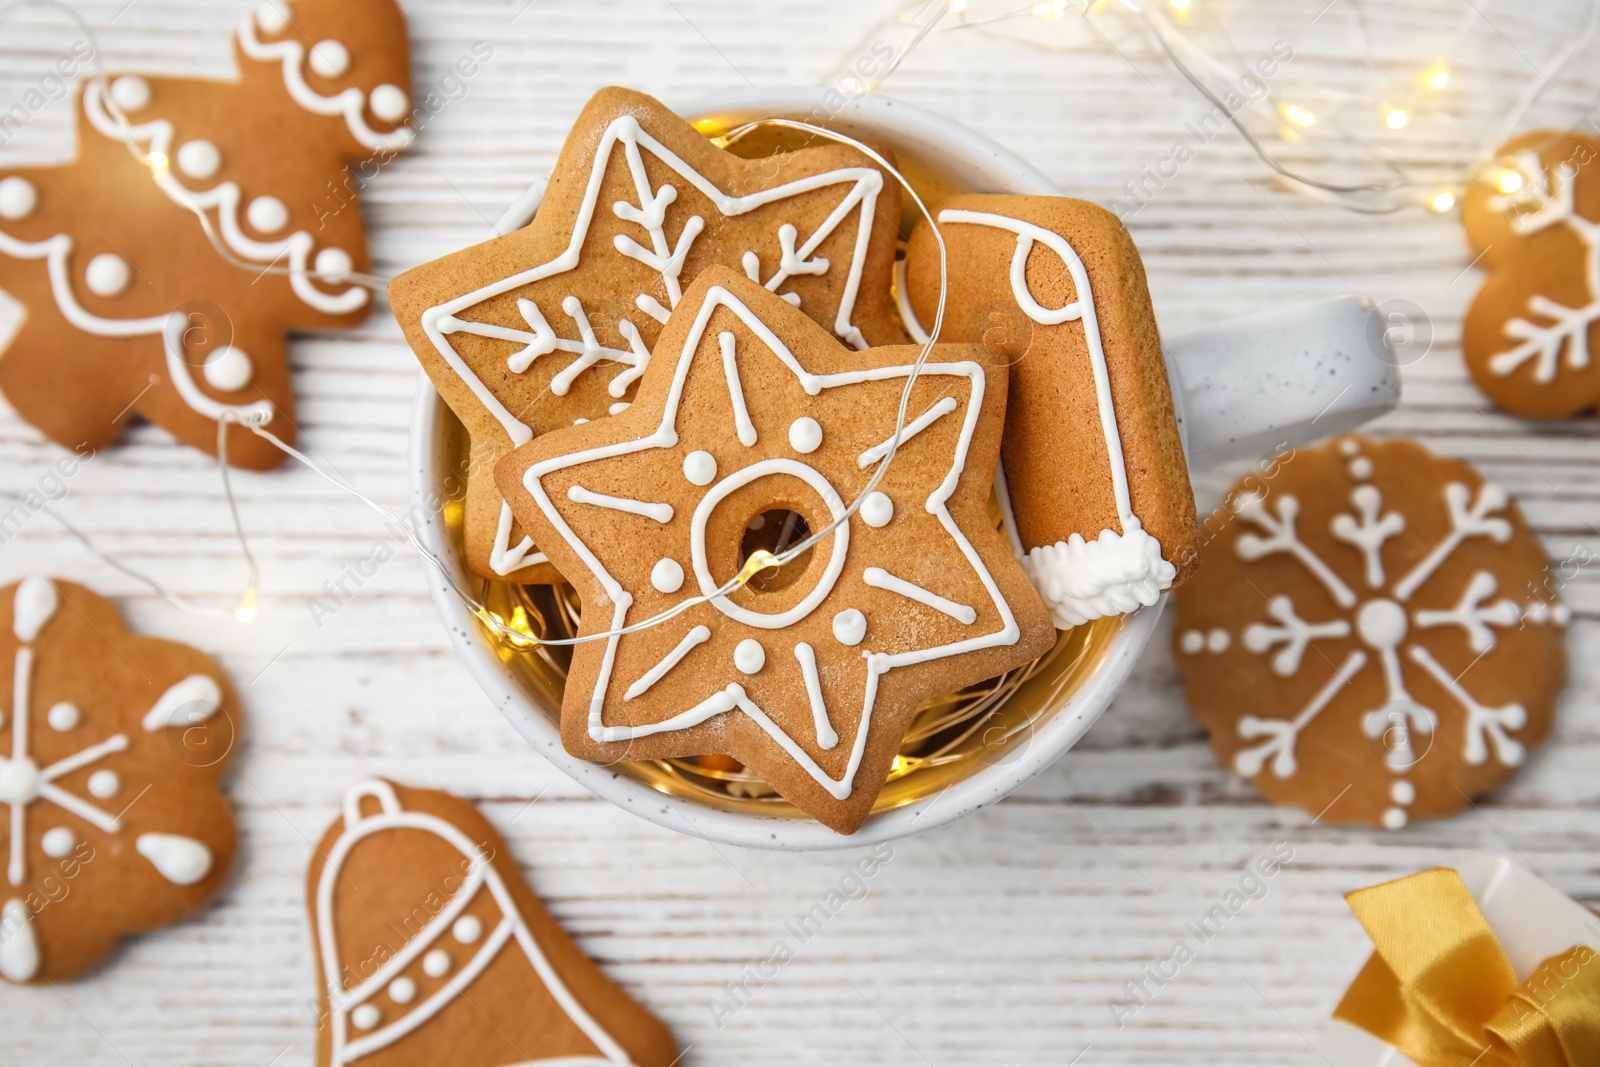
x: 554, y: 323
x: 751, y: 416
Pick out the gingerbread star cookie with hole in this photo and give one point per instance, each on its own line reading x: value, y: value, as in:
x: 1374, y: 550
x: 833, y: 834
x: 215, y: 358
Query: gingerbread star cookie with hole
x: 554, y: 324
x: 111, y: 746
x: 1374, y: 636
x: 145, y: 268
x: 1534, y: 225
x: 431, y: 949
x: 751, y: 418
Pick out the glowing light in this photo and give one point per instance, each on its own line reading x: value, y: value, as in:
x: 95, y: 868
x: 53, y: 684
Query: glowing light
x: 1051, y: 11
x: 957, y: 6
x: 1395, y: 118
x: 246, y: 611
x: 1510, y: 181
x: 1297, y: 115
x: 158, y: 163
x: 1180, y: 8
x: 1442, y: 202
x: 1290, y: 134
x: 1437, y: 76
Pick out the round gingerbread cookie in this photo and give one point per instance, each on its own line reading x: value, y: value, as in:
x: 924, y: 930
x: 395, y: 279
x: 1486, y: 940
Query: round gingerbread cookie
x: 1373, y: 636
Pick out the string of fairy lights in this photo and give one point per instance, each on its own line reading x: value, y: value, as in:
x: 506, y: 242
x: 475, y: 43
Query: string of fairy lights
x: 1345, y: 129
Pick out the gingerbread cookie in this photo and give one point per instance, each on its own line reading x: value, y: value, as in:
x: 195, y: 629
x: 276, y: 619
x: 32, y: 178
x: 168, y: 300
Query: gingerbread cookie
x: 554, y: 323
x: 753, y: 422
x: 128, y: 304
x: 110, y: 750
x: 1374, y: 637
x: 1534, y: 225
x: 1094, y: 467
x: 431, y: 949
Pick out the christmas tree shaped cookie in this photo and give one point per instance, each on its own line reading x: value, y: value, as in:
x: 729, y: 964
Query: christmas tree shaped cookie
x: 111, y: 746
x: 128, y: 304
x: 751, y: 418
x: 554, y: 324
x: 431, y: 949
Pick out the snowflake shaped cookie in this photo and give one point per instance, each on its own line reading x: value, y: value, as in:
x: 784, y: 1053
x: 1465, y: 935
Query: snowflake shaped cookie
x: 554, y: 323
x: 110, y: 750
x: 129, y: 305
x: 749, y: 409
x: 1534, y: 222
x: 1373, y: 632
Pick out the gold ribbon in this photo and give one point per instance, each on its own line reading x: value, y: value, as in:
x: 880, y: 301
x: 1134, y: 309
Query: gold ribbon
x: 1440, y: 989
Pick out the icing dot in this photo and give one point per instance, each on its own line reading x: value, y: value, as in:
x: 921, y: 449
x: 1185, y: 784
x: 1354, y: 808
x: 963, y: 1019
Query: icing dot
x: 1217, y: 640
x: 329, y: 58
x: 199, y: 159
x: 390, y: 103
x: 877, y: 509
x: 1349, y: 447
x: 1192, y: 641
x: 1403, y: 792
x: 18, y: 198
x: 366, y: 1017
x: 108, y: 274
x: 700, y: 467
x: 268, y: 214
x: 229, y: 369
x: 272, y: 17
x: 667, y: 575
x: 1394, y: 819
x: 1381, y: 623
x: 104, y: 784
x: 849, y: 627
x: 130, y: 93
x: 1360, y: 468
x: 436, y: 964
x: 749, y: 657
x: 467, y: 929
x: 402, y: 990
x: 63, y: 717
x: 334, y: 264
x: 805, y: 435
x: 57, y: 842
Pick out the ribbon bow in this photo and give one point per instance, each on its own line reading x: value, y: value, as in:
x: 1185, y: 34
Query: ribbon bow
x: 1440, y: 989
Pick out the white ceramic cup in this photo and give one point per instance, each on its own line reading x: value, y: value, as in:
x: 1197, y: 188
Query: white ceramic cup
x: 1285, y: 376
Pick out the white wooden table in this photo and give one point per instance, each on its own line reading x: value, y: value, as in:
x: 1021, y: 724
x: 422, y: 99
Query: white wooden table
x: 1000, y: 939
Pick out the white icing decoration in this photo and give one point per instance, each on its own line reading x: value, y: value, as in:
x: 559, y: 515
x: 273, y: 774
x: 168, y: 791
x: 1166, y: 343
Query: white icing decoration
x: 1349, y: 447
x: 700, y: 468
x: 366, y: 1017
x: 1485, y: 725
x: 879, y: 578
x: 34, y: 605
x: 1551, y: 198
x: 130, y: 93
x: 1360, y: 468
x: 1394, y: 819
x: 62, y: 717
x: 1194, y: 642
x: 329, y: 59
x: 1403, y: 792
x: 181, y: 860
x: 877, y: 509
x: 467, y: 930
x: 667, y: 575
x: 805, y: 435
x: 351, y: 102
x: 57, y: 842
x: 229, y: 369
x: 694, y: 638
x: 199, y: 159
x: 1284, y: 538
x: 915, y: 426
x: 1217, y: 641
x: 1468, y: 518
x: 197, y: 697
x: 827, y: 737
x: 749, y: 656
x: 107, y: 275
x: 730, y: 367
x: 267, y: 214
x: 390, y: 103
x: 272, y: 16
x: 1283, y: 734
x: 402, y: 991
x: 1367, y: 531
x: 18, y: 198
x: 19, y: 946
x: 1472, y: 616
x: 659, y: 512
x: 334, y: 265
x: 1295, y: 634
x: 733, y: 696
x: 104, y: 784
x: 510, y: 934
x: 849, y: 627
x: 505, y: 557
x: 1113, y: 574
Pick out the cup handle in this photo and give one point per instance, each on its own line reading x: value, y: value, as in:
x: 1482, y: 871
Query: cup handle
x: 1282, y: 377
